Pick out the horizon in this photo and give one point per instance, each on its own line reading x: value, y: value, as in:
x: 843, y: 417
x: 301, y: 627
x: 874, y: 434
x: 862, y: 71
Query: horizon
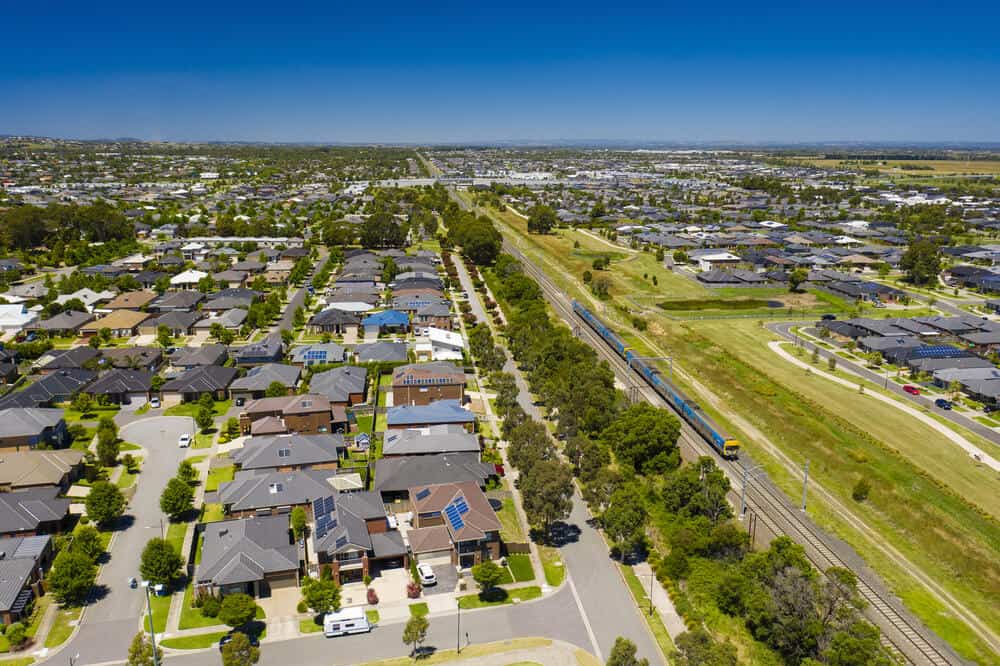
x: 730, y: 74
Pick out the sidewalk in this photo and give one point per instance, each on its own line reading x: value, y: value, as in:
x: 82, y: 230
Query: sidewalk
x: 661, y: 601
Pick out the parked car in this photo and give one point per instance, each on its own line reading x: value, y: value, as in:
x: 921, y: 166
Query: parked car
x: 184, y: 441
x: 989, y: 408
x: 426, y: 574
x: 154, y: 403
x: 254, y: 641
x: 912, y: 390
x: 942, y: 403
x: 828, y: 317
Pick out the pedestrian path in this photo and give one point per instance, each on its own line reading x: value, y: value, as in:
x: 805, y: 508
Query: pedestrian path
x: 662, y: 602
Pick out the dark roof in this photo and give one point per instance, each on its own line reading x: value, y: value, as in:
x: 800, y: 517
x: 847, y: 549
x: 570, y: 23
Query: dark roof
x: 260, y: 489
x: 202, y: 378
x: 122, y: 381
x: 348, y: 529
x: 25, y: 510
x: 132, y: 357
x: 447, y: 438
x: 268, y: 348
x: 176, y: 319
x: 59, y: 385
x: 69, y: 320
x: 243, y: 551
x: 337, y: 384
x: 404, y: 472
x: 261, y: 377
x: 187, y: 357
x: 381, y: 351
x: 288, y: 451
x: 68, y: 359
x: 333, y: 317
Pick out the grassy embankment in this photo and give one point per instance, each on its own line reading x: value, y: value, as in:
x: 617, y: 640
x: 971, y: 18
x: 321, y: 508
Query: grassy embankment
x: 843, y: 441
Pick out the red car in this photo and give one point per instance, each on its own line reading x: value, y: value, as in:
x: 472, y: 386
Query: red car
x: 912, y: 390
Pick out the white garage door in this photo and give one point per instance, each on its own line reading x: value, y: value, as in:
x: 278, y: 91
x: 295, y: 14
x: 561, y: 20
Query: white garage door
x: 435, y: 557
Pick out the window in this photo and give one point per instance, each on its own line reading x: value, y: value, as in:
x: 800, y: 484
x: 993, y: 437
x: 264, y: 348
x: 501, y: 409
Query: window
x: 284, y: 453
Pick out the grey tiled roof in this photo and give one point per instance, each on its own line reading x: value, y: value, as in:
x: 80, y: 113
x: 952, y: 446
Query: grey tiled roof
x: 288, y: 450
x: 242, y: 551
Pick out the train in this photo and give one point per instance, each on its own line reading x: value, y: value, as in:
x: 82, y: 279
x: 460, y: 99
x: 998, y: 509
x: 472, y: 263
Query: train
x: 690, y: 411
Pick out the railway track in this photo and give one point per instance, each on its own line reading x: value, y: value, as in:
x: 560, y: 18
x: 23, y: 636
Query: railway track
x: 905, y: 636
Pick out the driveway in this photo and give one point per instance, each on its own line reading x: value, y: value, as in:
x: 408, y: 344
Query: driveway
x: 447, y: 577
x: 112, y: 619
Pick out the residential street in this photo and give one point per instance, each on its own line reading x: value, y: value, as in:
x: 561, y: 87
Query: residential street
x: 592, y: 576
x: 298, y: 299
x: 110, y: 622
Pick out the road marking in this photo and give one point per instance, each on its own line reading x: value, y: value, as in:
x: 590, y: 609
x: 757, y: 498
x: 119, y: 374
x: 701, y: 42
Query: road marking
x: 583, y: 614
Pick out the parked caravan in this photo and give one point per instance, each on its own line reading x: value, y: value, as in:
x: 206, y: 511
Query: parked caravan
x: 347, y: 621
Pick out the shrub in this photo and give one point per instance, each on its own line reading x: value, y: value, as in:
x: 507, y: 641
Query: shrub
x: 413, y: 590
x: 301, y: 607
x: 210, y: 606
x: 861, y: 490
x: 15, y: 634
x: 372, y: 596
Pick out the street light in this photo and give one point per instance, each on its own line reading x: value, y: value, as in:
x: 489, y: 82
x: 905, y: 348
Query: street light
x: 149, y: 612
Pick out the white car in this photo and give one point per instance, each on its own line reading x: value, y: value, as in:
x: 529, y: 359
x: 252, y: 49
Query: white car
x: 154, y: 403
x: 184, y: 441
x: 426, y: 574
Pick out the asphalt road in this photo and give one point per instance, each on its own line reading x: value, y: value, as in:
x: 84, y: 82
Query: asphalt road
x: 112, y: 619
x: 597, y: 585
x: 784, y: 330
x: 298, y: 299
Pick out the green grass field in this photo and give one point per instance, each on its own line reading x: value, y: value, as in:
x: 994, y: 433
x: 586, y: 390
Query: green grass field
x: 520, y: 567
x: 510, y: 526
x: 512, y: 596
x: 219, y: 475
x: 555, y: 571
x: 219, y: 407
x: 61, y: 628
x: 196, y: 642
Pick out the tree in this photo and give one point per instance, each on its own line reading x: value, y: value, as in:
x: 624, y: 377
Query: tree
x: 163, y: 337
x: 547, y: 490
x: 298, y: 522
x: 94, y: 342
x: 856, y: 645
x: 105, y: 334
x: 541, y: 219
x: 15, y: 634
x: 487, y: 575
x: 108, y: 448
x: 644, y: 438
x: 205, y: 418
x: 623, y: 654
x: 86, y: 540
x: 160, y: 562
x: 796, y: 278
x: 322, y: 595
x: 72, y: 577
x: 140, y: 653
x: 105, y: 503
x: 177, y: 498
x: 921, y: 262
x: 237, y: 609
x: 381, y: 230
x: 861, y: 490
x: 275, y: 390
x: 415, y: 633
x: 186, y: 472
x: 82, y: 402
x: 625, y: 518
x: 238, y: 651
x: 680, y: 257
x: 698, y: 648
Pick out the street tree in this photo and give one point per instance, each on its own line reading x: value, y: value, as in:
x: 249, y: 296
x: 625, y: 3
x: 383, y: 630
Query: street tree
x: 415, y: 633
x: 86, y: 540
x: 238, y: 651
x: 644, y: 438
x: 698, y: 648
x: 160, y: 562
x: 625, y: 518
x: 186, y: 472
x: 72, y: 577
x: 921, y: 262
x: 108, y: 448
x: 547, y: 490
x: 205, y: 418
x: 140, y: 652
x: 623, y: 654
x: 163, y: 337
x: 105, y: 503
x: 177, y: 498
x: 796, y: 278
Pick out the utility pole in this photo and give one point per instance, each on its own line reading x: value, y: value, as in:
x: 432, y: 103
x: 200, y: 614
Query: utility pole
x: 149, y: 612
x: 458, y: 629
x: 805, y: 485
x: 652, y: 577
x: 747, y: 471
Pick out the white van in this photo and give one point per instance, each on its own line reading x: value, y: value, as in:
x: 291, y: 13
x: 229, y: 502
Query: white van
x: 347, y: 621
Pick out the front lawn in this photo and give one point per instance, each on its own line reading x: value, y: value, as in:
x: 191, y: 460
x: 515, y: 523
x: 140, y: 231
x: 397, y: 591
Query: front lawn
x: 520, y: 567
x: 93, y: 414
x: 191, y: 618
x: 554, y: 569
x: 219, y: 475
x: 196, y: 642
x: 204, y: 440
x: 161, y: 609
x: 61, y: 627
x: 510, y: 526
x: 309, y: 627
x: 212, y: 512
x: 365, y: 422
x: 127, y: 478
x: 219, y: 407
x: 501, y: 597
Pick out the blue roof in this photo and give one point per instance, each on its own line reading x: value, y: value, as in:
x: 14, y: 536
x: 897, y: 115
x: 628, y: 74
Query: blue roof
x: 441, y: 411
x: 386, y: 318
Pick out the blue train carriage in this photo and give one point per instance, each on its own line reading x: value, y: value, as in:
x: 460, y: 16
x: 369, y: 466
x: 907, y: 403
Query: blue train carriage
x: 720, y: 441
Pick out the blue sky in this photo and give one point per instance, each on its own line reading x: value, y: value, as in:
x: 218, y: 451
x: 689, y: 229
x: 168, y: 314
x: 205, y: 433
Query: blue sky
x: 467, y: 72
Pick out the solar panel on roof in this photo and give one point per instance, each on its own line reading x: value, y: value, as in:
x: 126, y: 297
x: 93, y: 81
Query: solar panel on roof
x: 341, y: 542
x: 461, y: 505
x: 423, y: 493
x: 329, y: 504
x: 320, y: 532
x: 332, y: 523
x: 456, y: 522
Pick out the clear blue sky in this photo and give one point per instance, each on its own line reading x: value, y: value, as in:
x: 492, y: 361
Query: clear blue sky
x: 465, y: 72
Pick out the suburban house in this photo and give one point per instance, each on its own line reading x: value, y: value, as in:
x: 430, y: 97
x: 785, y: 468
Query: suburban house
x: 429, y: 441
x: 253, y: 555
x: 387, y: 320
x: 65, y: 324
x: 231, y: 319
x: 27, y: 427
x: 442, y: 412
x: 424, y: 383
x: 66, y: 359
x: 346, y: 385
x: 123, y: 387
x: 30, y: 469
x: 131, y: 358
x: 188, y: 279
x: 354, y: 538
x: 58, y: 386
x: 131, y: 300
x: 381, y: 352
x: 213, y: 380
x: 230, y: 278
x: 332, y: 320
x: 24, y: 562
x: 436, y: 314
x: 316, y: 354
x: 289, y: 452
x: 176, y: 301
x: 268, y: 350
x: 453, y: 522
x: 33, y: 511
x: 278, y: 272
x: 443, y: 345
x: 262, y: 492
x: 395, y: 476
x: 15, y: 317
x: 122, y: 324
x: 258, y: 379
x: 186, y: 358
x: 306, y: 414
x: 179, y: 323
